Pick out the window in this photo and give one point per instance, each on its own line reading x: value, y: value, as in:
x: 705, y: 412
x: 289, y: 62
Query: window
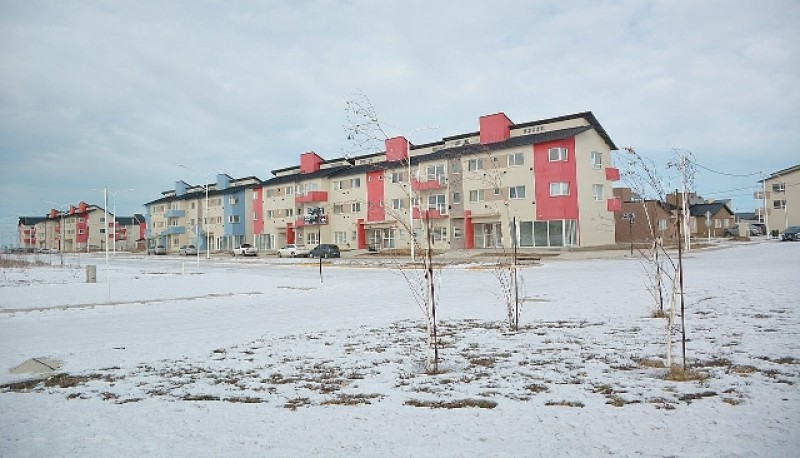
x: 435, y: 172
x: 559, y: 188
x: 516, y: 159
x: 557, y: 154
x: 718, y: 223
x: 355, y: 182
x: 340, y: 237
x: 192, y: 207
x: 81, y: 220
x: 397, y: 177
x: 779, y: 187
x: 439, y: 234
x: 173, y: 222
x: 233, y: 219
x: 779, y: 204
x: 474, y: 164
x: 81, y: 231
x: 497, y: 191
x: 437, y: 202
x: 271, y: 192
x: 337, y: 185
x: 233, y: 200
x: 662, y: 224
x: 255, y: 216
x: 397, y: 204
x: 355, y: 207
x: 597, y: 159
x: 338, y: 209
x: 516, y: 192
x: 726, y: 223
x: 271, y: 214
x: 218, y: 220
x: 289, y: 212
x: 288, y: 190
x: 476, y: 195
x: 456, y: 197
x: 597, y: 192
x: 456, y: 232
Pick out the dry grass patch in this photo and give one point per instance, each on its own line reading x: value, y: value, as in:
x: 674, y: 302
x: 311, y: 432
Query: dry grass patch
x: 678, y: 374
x: 457, y: 404
x: 564, y: 403
x: 650, y: 362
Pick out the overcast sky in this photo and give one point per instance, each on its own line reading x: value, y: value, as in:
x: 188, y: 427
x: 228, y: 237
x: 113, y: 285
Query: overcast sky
x: 117, y: 94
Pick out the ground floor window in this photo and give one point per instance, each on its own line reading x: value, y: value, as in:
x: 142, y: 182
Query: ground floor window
x: 311, y: 239
x: 264, y: 241
x: 340, y: 238
x: 488, y: 235
x: 553, y: 233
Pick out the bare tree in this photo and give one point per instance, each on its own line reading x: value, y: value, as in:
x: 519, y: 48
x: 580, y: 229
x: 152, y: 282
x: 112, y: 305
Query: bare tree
x: 365, y: 134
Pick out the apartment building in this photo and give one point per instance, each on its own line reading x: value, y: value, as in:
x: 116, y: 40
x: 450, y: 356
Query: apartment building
x: 214, y: 216
x: 83, y: 228
x: 782, y: 199
x: 543, y: 184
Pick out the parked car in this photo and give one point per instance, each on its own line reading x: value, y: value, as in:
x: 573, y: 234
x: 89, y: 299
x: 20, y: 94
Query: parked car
x: 791, y: 233
x: 187, y: 250
x: 761, y: 228
x: 245, y: 249
x: 733, y: 231
x: 325, y: 250
x: 293, y: 250
x: 158, y: 249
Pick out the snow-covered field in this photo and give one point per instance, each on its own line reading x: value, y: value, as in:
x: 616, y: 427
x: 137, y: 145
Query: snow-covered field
x: 257, y: 357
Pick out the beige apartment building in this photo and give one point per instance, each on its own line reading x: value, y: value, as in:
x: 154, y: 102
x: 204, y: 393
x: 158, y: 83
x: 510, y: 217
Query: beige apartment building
x: 541, y: 184
x: 781, y: 196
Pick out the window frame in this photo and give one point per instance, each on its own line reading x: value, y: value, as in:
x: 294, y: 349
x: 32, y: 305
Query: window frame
x: 563, y: 186
x: 559, y: 158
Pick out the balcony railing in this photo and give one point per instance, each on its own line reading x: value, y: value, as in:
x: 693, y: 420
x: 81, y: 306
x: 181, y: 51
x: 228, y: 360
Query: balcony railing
x: 311, y: 197
x: 428, y: 214
x: 172, y: 230
x: 311, y: 221
x: 612, y: 174
x: 175, y: 213
x: 432, y: 182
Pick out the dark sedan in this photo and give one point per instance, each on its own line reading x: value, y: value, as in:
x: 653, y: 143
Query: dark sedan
x: 791, y: 233
x: 325, y: 251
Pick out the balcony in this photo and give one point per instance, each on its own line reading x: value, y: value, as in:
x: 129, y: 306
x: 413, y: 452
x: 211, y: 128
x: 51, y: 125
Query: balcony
x: 175, y: 213
x: 614, y: 204
x: 311, y: 197
x: 432, y: 182
x: 310, y: 220
x: 428, y: 214
x: 612, y: 174
x: 173, y: 230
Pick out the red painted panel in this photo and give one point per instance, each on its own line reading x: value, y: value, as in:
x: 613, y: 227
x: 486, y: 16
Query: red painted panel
x: 82, y: 238
x: 361, y: 234
x: 614, y: 204
x: 495, y: 128
x: 309, y: 162
x: 375, y: 209
x: 311, y: 196
x: 258, y: 210
x: 546, y: 172
x: 396, y: 148
x: 289, y: 233
x: 612, y: 174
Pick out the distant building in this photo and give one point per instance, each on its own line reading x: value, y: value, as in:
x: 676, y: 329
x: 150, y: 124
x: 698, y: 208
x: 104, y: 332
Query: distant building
x: 782, y: 199
x: 641, y: 221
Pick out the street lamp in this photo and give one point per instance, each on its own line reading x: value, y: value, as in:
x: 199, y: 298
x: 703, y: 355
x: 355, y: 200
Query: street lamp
x: 207, y: 178
x: 114, y: 212
x: 105, y: 235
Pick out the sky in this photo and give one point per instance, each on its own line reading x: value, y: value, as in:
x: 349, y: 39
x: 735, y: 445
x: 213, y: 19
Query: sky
x: 116, y: 95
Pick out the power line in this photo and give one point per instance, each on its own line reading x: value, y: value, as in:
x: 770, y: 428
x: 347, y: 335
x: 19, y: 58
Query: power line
x: 737, y: 175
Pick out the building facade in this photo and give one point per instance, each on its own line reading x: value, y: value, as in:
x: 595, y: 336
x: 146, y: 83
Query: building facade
x: 543, y: 184
x: 215, y: 216
x: 781, y: 196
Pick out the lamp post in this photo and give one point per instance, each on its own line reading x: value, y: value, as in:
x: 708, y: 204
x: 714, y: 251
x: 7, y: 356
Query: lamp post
x: 114, y: 212
x: 207, y: 178
x: 105, y: 236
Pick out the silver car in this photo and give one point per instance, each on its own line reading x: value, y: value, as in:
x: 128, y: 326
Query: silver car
x: 294, y: 250
x: 187, y: 250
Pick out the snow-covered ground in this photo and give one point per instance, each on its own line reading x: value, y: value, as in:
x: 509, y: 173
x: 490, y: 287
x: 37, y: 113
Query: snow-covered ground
x: 257, y: 357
